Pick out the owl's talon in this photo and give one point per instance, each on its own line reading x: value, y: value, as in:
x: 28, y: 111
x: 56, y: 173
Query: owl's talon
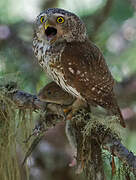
x: 73, y: 163
x: 67, y: 110
x: 79, y: 169
x: 78, y: 104
x: 69, y: 116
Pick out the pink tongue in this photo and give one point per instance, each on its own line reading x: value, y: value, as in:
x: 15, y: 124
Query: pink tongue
x: 49, y: 37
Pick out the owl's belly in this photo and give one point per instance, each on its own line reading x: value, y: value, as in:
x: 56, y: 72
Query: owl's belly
x: 49, y: 60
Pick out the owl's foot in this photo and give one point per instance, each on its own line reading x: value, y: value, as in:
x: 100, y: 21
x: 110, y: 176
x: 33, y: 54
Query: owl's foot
x: 73, y: 163
x: 67, y: 110
x: 78, y: 167
x: 78, y: 104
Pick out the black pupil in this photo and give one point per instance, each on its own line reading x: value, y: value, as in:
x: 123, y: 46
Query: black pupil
x: 49, y: 92
x: 42, y: 19
x: 60, y: 20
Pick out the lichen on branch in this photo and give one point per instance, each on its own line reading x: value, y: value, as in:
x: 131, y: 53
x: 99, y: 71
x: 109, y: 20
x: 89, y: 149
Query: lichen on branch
x: 93, y: 130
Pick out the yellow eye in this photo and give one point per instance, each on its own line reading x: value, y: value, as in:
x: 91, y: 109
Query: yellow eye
x: 42, y: 19
x: 60, y: 20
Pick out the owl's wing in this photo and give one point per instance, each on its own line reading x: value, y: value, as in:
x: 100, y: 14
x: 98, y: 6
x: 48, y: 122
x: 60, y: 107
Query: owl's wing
x: 86, y: 71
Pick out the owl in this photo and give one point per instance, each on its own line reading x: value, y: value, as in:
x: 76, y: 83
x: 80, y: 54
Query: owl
x: 64, y: 51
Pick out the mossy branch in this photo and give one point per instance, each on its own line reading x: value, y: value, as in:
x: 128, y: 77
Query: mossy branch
x: 105, y: 136
x: 116, y: 148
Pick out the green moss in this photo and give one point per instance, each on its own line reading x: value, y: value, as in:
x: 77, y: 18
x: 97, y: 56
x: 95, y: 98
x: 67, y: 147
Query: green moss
x: 14, y: 129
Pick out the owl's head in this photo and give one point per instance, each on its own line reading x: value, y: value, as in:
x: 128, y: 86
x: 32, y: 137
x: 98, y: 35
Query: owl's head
x: 53, y: 25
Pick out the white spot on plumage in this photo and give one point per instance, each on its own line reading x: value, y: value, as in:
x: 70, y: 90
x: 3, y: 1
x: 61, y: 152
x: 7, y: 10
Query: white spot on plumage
x: 78, y: 72
x: 61, y: 81
x: 82, y: 75
x: 34, y: 42
x: 71, y: 70
x: 39, y: 54
x: 73, y: 91
x: 98, y: 92
x: 86, y: 79
x: 93, y: 89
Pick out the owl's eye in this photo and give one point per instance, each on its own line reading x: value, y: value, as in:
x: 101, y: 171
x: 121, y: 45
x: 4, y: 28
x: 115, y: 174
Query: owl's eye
x: 42, y: 19
x: 49, y: 92
x: 60, y: 20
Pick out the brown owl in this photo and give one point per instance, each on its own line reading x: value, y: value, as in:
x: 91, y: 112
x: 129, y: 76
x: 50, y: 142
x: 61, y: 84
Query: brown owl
x: 64, y: 51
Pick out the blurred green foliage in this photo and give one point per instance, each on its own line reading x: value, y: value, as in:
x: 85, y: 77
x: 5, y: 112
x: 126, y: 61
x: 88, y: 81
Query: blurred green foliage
x: 116, y: 37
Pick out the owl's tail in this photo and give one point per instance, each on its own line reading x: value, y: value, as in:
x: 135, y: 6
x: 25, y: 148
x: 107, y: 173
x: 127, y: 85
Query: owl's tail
x: 116, y: 111
x: 112, y: 105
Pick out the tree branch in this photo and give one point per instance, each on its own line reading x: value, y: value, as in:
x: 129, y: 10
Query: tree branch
x: 114, y: 146
x: 103, y: 15
x: 24, y: 100
x: 133, y: 3
x: 98, y: 18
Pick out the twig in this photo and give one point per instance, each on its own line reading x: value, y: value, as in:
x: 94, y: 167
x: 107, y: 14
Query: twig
x: 32, y: 147
x: 101, y: 18
x: 94, y: 169
x: 133, y: 3
x: 24, y: 100
x: 114, y: 146
x: 96, y: 156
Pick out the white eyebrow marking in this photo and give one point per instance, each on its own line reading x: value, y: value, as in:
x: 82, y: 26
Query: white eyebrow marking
x: 58, y: 14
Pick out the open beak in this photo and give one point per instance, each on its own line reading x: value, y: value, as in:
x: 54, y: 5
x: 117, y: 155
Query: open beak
x: 50, y: 31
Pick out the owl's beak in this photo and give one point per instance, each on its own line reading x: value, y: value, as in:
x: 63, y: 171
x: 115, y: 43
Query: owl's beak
x: 46, y: 25
x: 50, y: 31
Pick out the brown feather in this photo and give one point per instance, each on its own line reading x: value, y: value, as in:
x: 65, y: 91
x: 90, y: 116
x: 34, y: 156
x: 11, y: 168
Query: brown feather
x: 85, y: 69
